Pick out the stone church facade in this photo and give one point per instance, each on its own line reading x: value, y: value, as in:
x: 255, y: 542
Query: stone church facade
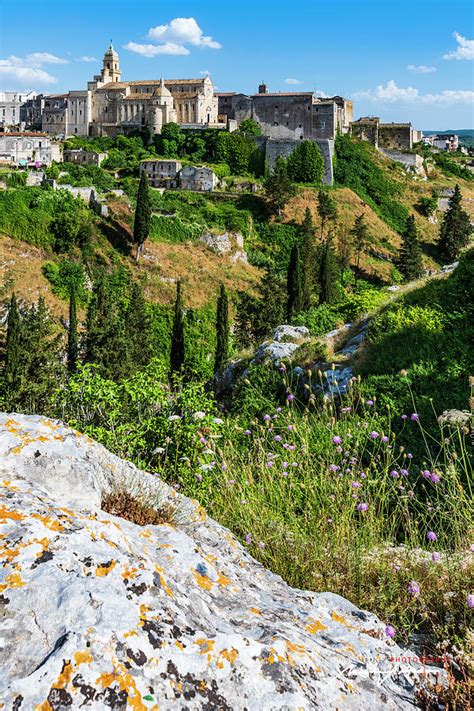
x: 110, y: 106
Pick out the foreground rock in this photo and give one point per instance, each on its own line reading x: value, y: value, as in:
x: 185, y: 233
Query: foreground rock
x: 98, y: 612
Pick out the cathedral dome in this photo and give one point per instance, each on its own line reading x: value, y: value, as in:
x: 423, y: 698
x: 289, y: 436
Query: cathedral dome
x: 162, y: 91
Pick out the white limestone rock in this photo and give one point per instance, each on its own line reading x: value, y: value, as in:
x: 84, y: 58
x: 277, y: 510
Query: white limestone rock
x: 98, y: 612
x: 287, y: 334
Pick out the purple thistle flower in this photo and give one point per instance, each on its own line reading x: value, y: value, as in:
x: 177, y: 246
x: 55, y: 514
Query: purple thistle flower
x: 278, y: 409
x: 294, y: 464
x: 431, y: 536
x: 270, y: 463
x: 404, y: 417
x: 363, y: 475
x: 290, y: 397
x: 435, y: 478
x: 385, y: 439
x: 231, y: 481
x: 292, y: 447
x: 334, y: 468
x: 426, y: 474
x: 362, y: 507
x: 414, y: 417
x: 374, y: 434
x: 203, y: 440
x: 404, y: 472
x: 336, y: 440
x: 261, y: 544
x: 390, y: 631
x: 290, y: 428
x: 247, y: 432
x: 413, y: 588
x: 470, y: 601
x: 355, y: 484
x: 410, y: 455
x: 277, y: 438
x: 284, y: 473
x: 248, y: 539
x: 435, y: 557
x: 267, y: 418
x: 370, y: 402
x: 394, y: 473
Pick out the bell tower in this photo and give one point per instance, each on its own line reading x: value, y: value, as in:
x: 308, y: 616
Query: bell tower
x: 111, y: 66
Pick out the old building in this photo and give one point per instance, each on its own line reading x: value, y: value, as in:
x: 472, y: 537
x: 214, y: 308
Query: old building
x: 28, y: 148
x: 199, y: 178
x: 79, y: 156
x: 443, y: 142
x: 31, y: 112
x: 161, y: 173
x: 55, y: 115
x: 392, y: 136
x: 11, y: 103
x: 110, y: 105
x: 289, y: 115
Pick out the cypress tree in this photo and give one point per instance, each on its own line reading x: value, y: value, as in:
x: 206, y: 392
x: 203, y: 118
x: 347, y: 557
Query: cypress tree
x: 12, y: 368
x: 72, y: 339
x: 455, y: 229
x: 327, y: 209
x: 409, y: 257
x: 360, y: 237
x: 222, y: 330
x: 142, y: 221
x: 328, y: 275
x: 294, y: 284
x: 279, y: 187
x: 137, y: 330
x: 177, y: 353
x: 308, y: 258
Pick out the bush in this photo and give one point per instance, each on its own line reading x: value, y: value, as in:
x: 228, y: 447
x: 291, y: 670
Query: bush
x: 63, y: 276
x: 306, y: 164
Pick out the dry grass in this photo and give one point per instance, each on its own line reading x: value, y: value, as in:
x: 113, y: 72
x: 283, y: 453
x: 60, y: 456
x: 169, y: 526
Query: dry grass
x: 456, y: 696
x: 122, y: 503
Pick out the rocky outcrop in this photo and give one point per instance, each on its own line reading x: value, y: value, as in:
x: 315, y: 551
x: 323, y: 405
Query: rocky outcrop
x: 99, y: 612
x: 227, y: 243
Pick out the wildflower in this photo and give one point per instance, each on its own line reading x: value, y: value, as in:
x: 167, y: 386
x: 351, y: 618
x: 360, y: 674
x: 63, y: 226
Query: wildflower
x: 277, y: 438
x: 385, y: 439
x: 413, y: 588
x: 223, y: 467
x: 426, y: 474
x: 355, y: 484
x: 267, y: 418
x: 435, y: 478
x: 294, y: 464
x: 203, y: 440
x: 248, y: 539
x: 363, y: 475
x: 390, y: 631
x: 290, y: 428
x: 336, y: 440
x: 292, y: 447
x: 329, y: 520
x: 362, y: 507
x: 284, y: 473
x: 290, y: 397
x: 334, y: 468
x: 431, y: 536
x: 261, y: 544
x: 346, y: 409
x: 158, y: 450
x: 410, y: 455
x: 173, y: 418
x: 370, y: 402
x: 270, y: 463
x: 435, y: 557
x: 243, y: 502
x: 404, y: 417
x: 415, y: 417
x: 282, y: 368
x: 374, y: 435
x: 278, y: 409
x: 199, y: 415
x: 199, y: 477
x: 217, y: 421
x: 470, y: 601
x: 404, y: 472
x: 247, y: 432
x: 231, y: 481
x: 394, y: 473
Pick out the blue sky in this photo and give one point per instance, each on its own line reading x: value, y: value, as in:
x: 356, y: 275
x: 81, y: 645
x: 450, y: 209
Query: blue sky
x: 398, y: 60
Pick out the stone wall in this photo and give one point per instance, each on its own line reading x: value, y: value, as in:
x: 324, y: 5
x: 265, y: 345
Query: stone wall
x: 412, y: 161
x: 276, y: 148
x: 395, y: 136
x: 366, y: 129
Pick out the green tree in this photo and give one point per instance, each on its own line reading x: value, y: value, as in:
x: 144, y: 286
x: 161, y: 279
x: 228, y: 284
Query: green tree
x: 360, y: 237
x: 177, y: 354
x: 308, y: 258
x: 328, y: 275
x: 455, y: 231
x: 142, y: 221
x: 306, y: 164
x: 72, y: 338
x: 12, y: 369
x: 278, y: 187
x: 294, y: 284
x: 249, y: 127
x: 257, y: 317
x: 327, y: 209
x: 222, y: 330
x: 409, y: 260
x: 137, y: 329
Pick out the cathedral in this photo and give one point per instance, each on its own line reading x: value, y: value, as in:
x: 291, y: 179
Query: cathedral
x: 110, y: 106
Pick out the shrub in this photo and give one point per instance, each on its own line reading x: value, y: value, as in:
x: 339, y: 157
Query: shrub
x: 305, y: 164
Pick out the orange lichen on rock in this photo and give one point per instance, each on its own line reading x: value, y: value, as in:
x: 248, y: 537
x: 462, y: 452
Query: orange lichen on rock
x: 230, y: 654
x: 203, y: 581
x: 315, y: 626
x: 163, y: 582
x: 49, y: 522
x: 103, y: 570
x: 6, y: 514
x: 341, y: 620
x: 82, y: 657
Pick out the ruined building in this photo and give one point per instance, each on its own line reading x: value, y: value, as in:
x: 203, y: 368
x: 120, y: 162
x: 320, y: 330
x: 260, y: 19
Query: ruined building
x: 393, y: 136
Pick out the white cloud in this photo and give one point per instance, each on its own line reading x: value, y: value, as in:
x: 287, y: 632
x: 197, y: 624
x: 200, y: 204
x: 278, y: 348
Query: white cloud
x: 464, y: 50
x: 293, y: 81
x: 27, y: 71
x: 391, y: 93
x: 86, y: 58
x: 421, y: 69
x: 40, y: 58
x: 321, y: 94
x: 152, y: 50
x: 183, y: 30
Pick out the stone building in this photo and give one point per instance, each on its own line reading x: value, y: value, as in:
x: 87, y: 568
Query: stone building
x: 161, y: 173
x: 110, y: 106
x: 393, y: 136
x: 31, y: 112
x: 28, y: 148
x: 11, y: 103
x: 289, y: 115
x: 79, y: 156
x: 199, y: 178
x: 55, y: 115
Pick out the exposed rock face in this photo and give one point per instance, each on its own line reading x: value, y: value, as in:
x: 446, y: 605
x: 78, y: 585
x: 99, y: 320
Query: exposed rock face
x: 98, y: 612
x: 228, y: 243
x: 286, y: 341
